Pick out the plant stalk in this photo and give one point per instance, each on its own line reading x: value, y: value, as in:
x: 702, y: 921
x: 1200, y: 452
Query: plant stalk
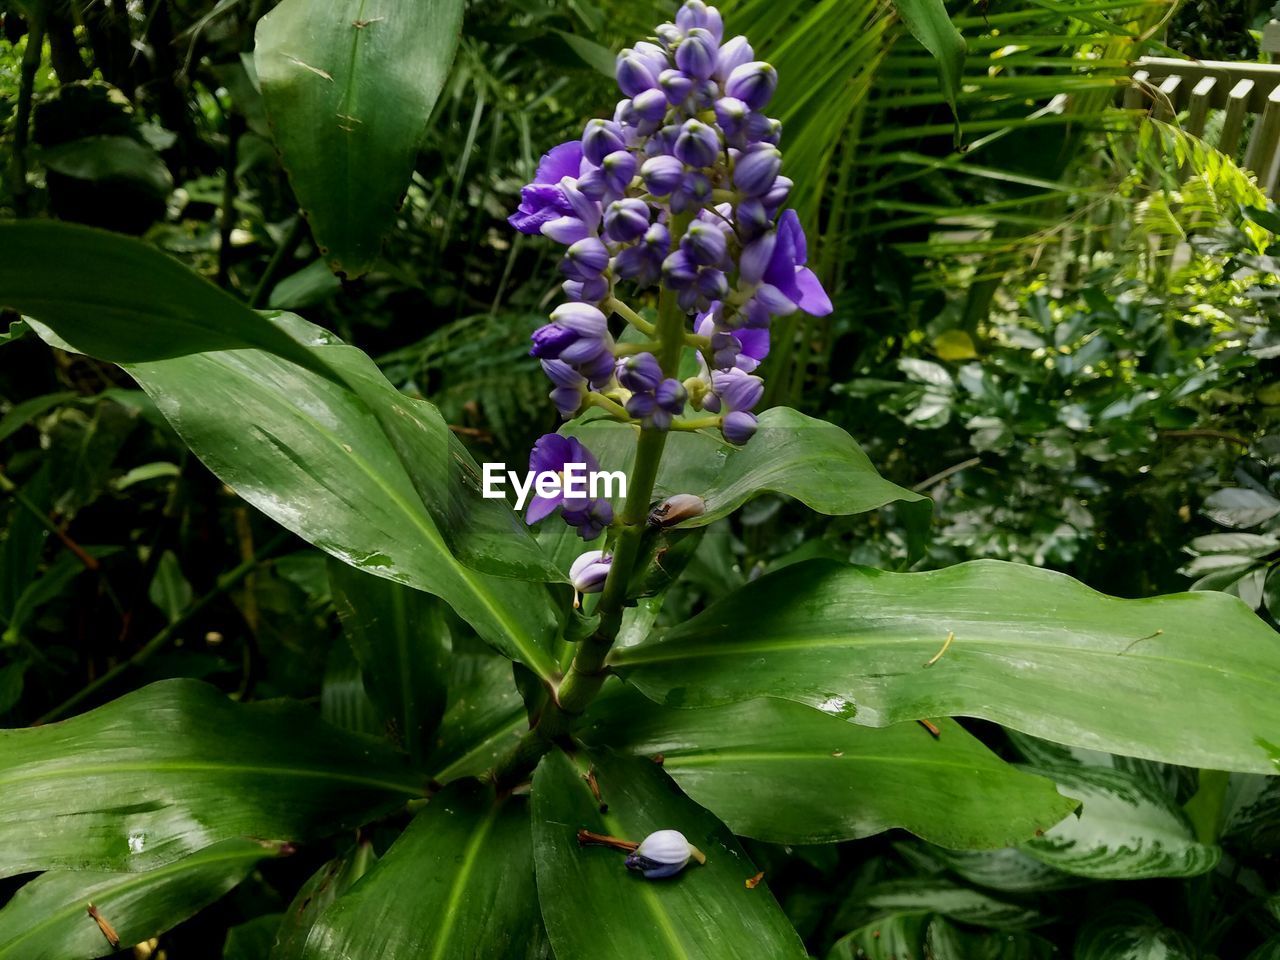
x: 588, y: 671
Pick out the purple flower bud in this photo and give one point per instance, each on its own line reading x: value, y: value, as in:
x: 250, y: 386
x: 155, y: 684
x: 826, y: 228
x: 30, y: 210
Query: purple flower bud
x: 756, y: 168
x: 679, y: 271
x: 601, y: 138
x: 658, y: 239
x: 697, y: 145
x: 593, y: 184
x: 753, y: 83
x: 599, y: 369
x: 698, y: 15
x: 585, y: 260
x: 713, y: 284
x: 706, y: 243
x: 696, y: 55
x: 584, y: 208
x: 585, y: 350
x: 762, y: 129
x: 675, y: 85
x: 591, y: 519
x: 570, y: 386
x: 751, y: 218
x: 662, y: 175
x: 640, y: 373
x: 550, y: 339
x: 737, y: 390
x: 733, y: 54
x: 566, y: 230
x: 625, y: 220
x: 731, y: 115
x: 618, y: 167
x: 694, y: 191
x: 641, y: 405
x: 778, y: 193
x: 738, y: 427
x: 589, y: 572
x: 671, y: 395
x: 724, y: 350
x: 567, y: 401
x: 755, y: 259
x: 669, y: 34
x: 635, y: 263
x: 650, y: 105
x: 634, y: 76
x: 654, y: 56
x: 589, y: 291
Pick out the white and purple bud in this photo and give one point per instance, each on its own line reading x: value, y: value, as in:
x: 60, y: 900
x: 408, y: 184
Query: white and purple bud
x: 587, y: 291
x: 732, y: 54
x: 640, y: 373
x: 738, y: 427
x: 755, y: 258
x: 601, y: 138
x: 676, y: 85
x: 669, y: 34
x: 634, y: 74
x: 738, y: 390
x: 566, y: 230
x: 585, y: 260
x: 662, y: 175
x: 696, y: 55
x: 712, y: 284
x: 589, y: 572
x: 753, y: 83
x: 778, y: 193
x: 756, y: 169
x: 626, y: 220
x: 694, y: 191
x: 679, y: 271
x: 697, y: 145
x: 663, y: 854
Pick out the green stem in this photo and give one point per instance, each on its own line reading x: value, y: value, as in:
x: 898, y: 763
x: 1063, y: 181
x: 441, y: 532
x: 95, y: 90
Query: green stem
x: 702, y: 423
x: 629, y: 315
x: 604, y: 403
x: 31, y: 57
x: 588, y: 671
x: 161, y: 639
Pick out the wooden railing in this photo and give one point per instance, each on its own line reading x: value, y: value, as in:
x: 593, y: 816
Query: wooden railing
x: 1168, y: 87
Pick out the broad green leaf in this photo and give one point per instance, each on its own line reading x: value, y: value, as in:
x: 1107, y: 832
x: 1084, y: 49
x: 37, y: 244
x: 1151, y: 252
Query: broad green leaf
x: 1251, y: 820
x: 48, y: 918
x: 344, y: 701
x: 1130, y: 932
x: 400, y: 637
x: 314, y: 897
x: 946, y: 941
x: 129, y: 301
x: 1268, y: 951
x: 1125, y: 830
x: 891, y: 938
x: 935, y: 896
x: 929, y: 23
x: 313, y: 456
x: 1240, y: 507
x: 484, y: 718
x: 791, y: 454
x: 251, y: 940
x: 457, y: 883
x: 112, y: 159
x: 596, y: 909
x: 176, y: 767
x: 169, y: 590
x: 1033, y: 650
x: 348, y: 88
x: 840, y: 781
x: 1009, y: 870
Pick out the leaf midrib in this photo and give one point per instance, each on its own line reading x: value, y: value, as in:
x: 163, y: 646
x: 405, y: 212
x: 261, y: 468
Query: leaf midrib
x: 459, y: 886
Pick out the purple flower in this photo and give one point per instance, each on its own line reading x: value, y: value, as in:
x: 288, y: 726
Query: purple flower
x: 552, y: 454
x: 543, y: 199
x: 662, y: 175
x: 705, y: 243
x: 732, y: 54
x: 634, y: 74
x: 695, y: 14
x: 738, y: 427
x: 756, y: 168
x: 656, y: 408
x: 697, y: 145
x: 578, y: 333
x: 626, y: 220
x: 640, y: 372
x: 743, y: 348
x: 696, y: 55
x: 675, y: 85
x: 776, y: 261
x: 570, y: 386
x: 601, y: 138
x: 738, y: 390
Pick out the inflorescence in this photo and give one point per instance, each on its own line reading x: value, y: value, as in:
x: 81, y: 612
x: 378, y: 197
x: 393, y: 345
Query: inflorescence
x: 681, y: 189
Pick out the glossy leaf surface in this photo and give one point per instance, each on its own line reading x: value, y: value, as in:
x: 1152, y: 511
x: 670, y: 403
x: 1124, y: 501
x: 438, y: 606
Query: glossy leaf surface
x: 314, y: 897
x: 48, y: 918
x: 175, y: 767
x: 1130, y: 932
x: 312, y: 456
x: 348, y: 88
x: 1034, y: 650
x: 400, y: 638
x: 791, y: 454
x: 484, y: 718
x: 839, y: 780
x: 457, y: 883
x: 129, y: 301
x: 596, y: 909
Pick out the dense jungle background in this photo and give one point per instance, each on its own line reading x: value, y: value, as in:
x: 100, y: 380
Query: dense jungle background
x: 1061, y: 326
